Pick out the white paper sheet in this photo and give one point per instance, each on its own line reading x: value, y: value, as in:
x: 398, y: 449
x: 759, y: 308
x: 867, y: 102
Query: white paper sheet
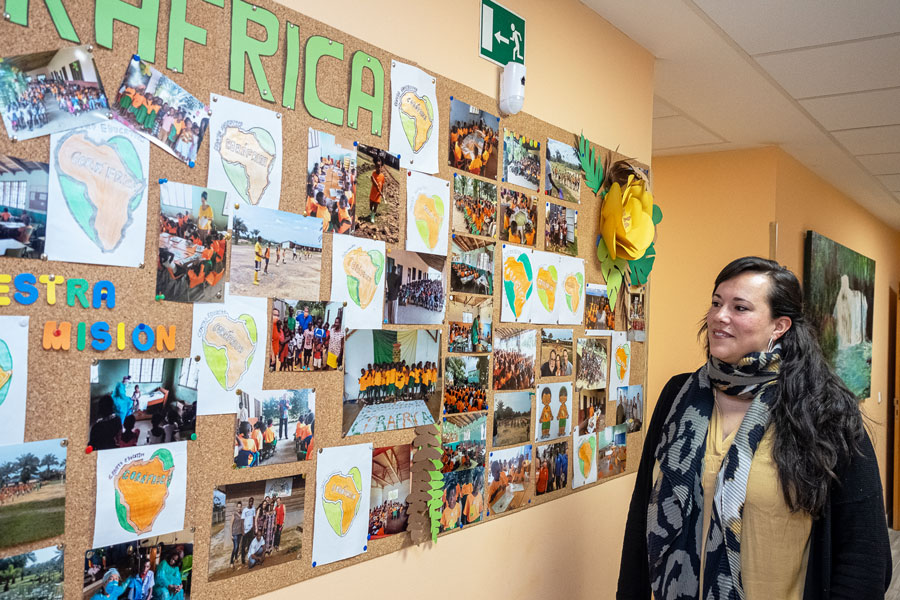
x: 584, y: 469
x: 414, y: 118
x: 549, y: 411
x: 518, y: 284
x: 619, y: 360
x: 545, y: 306
x: 357, y: 278
x: 427, y: 213
x: 571, y: 290
x: 14, y: 377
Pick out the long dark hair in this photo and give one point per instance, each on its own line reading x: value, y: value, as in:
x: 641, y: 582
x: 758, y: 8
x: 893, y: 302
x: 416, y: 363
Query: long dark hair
x: 818, y: 424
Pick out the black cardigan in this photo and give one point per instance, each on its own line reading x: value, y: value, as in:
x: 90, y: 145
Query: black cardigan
x: 849, y: 556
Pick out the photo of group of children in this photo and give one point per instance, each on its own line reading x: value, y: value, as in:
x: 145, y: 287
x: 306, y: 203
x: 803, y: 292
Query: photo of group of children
x: 142, y: 401
x: 192, y: 243
x: 331, y: 182
x: 473, y: 139
x: 415, y: 288
x: 391, y: 486
x: 591, y: 411
x: 274, y: 427
x: 592, y: 364
x: 474, y: 206
x: 521, y: 160
x: 636, y: 323
x: 512, y: 418
x: 255, y: 524
x: 630, y: 407
x: 155, y: 567
x: 518, y: 217
x: 612, y: 451
x: 470, y: 319
x: 151, y: 104
x: 465, y: 388
x: 306, y: 335
x: 509, y: 481
x: 563, y: 178
x: 554, y: 421
x: 462, y: 501
x: 557, y: 352
x: 560, y: 229
x: 35, y: 574
x: 552, y: 468
x: 463, y: 441
x: 379, y: 181
x: 471, y: 265
x: 23, y: 207
x: 32, y: 492
x: 392, y: 379
x: 599, y: 314
x: 49, y: 92
x: 514, y: 357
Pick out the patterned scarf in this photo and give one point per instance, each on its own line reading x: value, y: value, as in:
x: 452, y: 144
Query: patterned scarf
x: 674, y: 515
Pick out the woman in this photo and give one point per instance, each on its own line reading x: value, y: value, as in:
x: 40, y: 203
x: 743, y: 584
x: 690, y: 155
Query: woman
x: 111, y: 587
x: 168, y: 585
x: 763, y: 446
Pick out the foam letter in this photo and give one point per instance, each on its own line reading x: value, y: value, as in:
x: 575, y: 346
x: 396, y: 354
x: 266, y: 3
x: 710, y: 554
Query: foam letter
x: 243, y: 45
x: 26, y: 292
x: 317, y: 47
x: 101, y: 289
x: 77, y: 288
x: 57, y: 337
x: 136, y: 337
x: 51, y: 286
x: 291, y: 66
x: 145, y: 17
x: 179, y: 31
x: 18, y: 14
x: 374, y: 103
x: 100, y: 334
x: 165, y: 337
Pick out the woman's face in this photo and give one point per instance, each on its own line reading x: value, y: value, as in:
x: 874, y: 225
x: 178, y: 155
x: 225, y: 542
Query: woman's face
x: 739, y: 320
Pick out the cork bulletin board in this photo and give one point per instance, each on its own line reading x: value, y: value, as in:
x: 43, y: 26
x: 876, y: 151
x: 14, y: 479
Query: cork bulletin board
x: 58, y: 381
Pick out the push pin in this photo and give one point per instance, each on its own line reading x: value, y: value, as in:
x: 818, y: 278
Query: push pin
x: 141, y: 266
x: 163, y: 180
x: 191, y: 164
x: 63, y: 443
x: 89, y: 449
x: 160, y: 297
x: 6, y: 16
x: 175, y: 70
x: 43, y: 257
x: 193, y: 437
x: 135, y: 57
x: 236, y: 205
x: 197, y: 358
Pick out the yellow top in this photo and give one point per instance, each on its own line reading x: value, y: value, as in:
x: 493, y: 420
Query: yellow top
x: 205, y: 217
x: 257, y: 251
x: 774, y: 541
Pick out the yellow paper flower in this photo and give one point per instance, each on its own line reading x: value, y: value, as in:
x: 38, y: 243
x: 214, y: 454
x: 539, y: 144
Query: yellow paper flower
x: 626, y: 219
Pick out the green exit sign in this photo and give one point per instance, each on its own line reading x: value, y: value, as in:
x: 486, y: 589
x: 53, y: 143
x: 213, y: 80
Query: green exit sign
x: 502, y: 34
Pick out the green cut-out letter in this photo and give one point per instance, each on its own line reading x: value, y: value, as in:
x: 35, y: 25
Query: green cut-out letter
x: 18, y: 14
x: 242, y: 45
x: 373, y: 103
x: 179, y: 31
x: 145, y: 17
x: 291, y: 66
x: 317, y: 47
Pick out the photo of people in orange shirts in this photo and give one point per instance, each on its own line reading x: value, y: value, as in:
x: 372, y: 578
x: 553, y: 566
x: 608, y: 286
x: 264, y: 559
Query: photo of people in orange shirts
x: 462, y: 502
x: 560, y: 229
x: 563, y: 178
x: 465, y: 387
x: 470, y: 319
x: 391, y: 484
x: 509, y: 479
x: 517, y: 217
x: 378, y: 186
x: 274, y: 427
x: 521, y: 160
x: 471, y: 265
x: 514, y: 355
x: 474, y: 136
x: 331, y: 182
x: 474, y: 206
x: 551, y: 469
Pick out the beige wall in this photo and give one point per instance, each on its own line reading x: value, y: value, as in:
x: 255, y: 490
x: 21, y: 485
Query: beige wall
x: 583, y: 75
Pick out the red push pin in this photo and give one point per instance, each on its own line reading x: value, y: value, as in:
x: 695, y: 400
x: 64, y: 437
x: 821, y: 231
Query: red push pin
x: 89, y: 449
x: 57, y: 333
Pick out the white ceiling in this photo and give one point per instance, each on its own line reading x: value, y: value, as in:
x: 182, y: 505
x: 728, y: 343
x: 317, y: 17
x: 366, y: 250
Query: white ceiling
x: 819, y: 78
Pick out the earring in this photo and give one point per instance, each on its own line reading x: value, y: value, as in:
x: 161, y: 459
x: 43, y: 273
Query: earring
x: 771, y: 345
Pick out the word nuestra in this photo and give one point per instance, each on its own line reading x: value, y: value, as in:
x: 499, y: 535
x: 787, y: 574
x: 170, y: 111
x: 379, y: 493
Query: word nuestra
x: 99, y: 335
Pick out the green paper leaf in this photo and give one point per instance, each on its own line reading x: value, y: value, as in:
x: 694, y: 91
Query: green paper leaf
x: 657, y: 214
x: 641, y: 267
x: 590, y: 164
x: 613, y: 283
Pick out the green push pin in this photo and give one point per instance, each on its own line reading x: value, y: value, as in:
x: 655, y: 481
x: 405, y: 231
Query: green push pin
x: 160, y: 297
x: 193, y: 437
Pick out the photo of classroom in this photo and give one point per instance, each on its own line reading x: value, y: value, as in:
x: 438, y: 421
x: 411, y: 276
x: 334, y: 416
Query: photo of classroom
x: 514, y: 355
x: 33, y: 575
x: 156, y: 567
x: 331, y: 182
x: 465, y: 384
x: 509, y: 480
x: 470, y: 319
x: 32, y: 492
x: 462, y: 502
x: 274, y: 427
x: 563, y: 178
x: 392, y: 379
x: 306, y: 335
x: 518, y: 217
x: 23, y: 207
x: 142, y: 401
x: 591, y: 411
x: 474, y: 206
x: 464, y: 441
x: 474, y: 135
x: 256, y: 524
x: 557, y: 353
x: 512, y: 418
x: 192, y: 244
x: 551, y: 471
x: 415, y: 288
x: 391, y: 484
x: 612, y: 451
x: 629, y: 407
x: 378, y: 185
x: 472, y: 265
x: 521, y: 160
x: 48, y: 92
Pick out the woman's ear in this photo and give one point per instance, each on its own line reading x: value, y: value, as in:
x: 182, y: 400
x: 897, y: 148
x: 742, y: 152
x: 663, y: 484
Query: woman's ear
x: 782, y: 324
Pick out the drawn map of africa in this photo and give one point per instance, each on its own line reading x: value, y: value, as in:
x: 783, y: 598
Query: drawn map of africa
x: 142, y: 487
x: 417, y: 118
x: 229, y: 345
x: 247, y: 157
x: 341, y: 495
x: 364, y: 271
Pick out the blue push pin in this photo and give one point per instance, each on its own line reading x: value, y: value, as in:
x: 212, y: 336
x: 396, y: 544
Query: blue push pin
x: 356, y: 143
x: 451, y: 97
x: 365, y: 548
x: 191, y: 164
x: 398, y: 157
x: 163, y: 180
x: 314, y: 563
x: 142, y: 327
x: 135, y: 57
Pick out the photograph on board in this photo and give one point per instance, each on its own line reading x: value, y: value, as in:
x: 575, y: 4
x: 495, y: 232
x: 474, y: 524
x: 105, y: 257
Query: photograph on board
x: 331, y: 181
x: 416, y: 287
x: 471, y: 265
x: 599, y: 314
x: 474, y: 134
x: 554, y: 421
x: 637, y: 324
x: 392, y: 380
x: 156, y: 567
x: 521, y: 160
x: 151, y: 104
x: 306, y: 335
x: 560, y: 229
x: 512, y: 418
x: 612, y: 450
x: 391, y: 485
x: 563, y: 178
x: 630, y: 407
x: 47, y: 92
x: 517, y: 217
x: 551, y: 471
x: 465, y: 386
x: 378, y: 185
x: 272, y: 427
x: 192, y: 244
x: 39, y: 574
x: 23, y: 207
x: 256, y: 524
x: 275, y: 253
x: 463, y: 441
x: 514, y: 355
x: 474, y: 206
x: 470, y: 319
x: 462, y: 500
x: 591, y: 363
x: 142, y: 401
x: 33, y: 492
x: 509, y: 479
x: 591, y: 411
x: 557, y: 353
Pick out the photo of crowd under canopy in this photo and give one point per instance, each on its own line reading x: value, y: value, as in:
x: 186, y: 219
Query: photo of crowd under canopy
x: 514, y: 357
x: 474, y: 206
